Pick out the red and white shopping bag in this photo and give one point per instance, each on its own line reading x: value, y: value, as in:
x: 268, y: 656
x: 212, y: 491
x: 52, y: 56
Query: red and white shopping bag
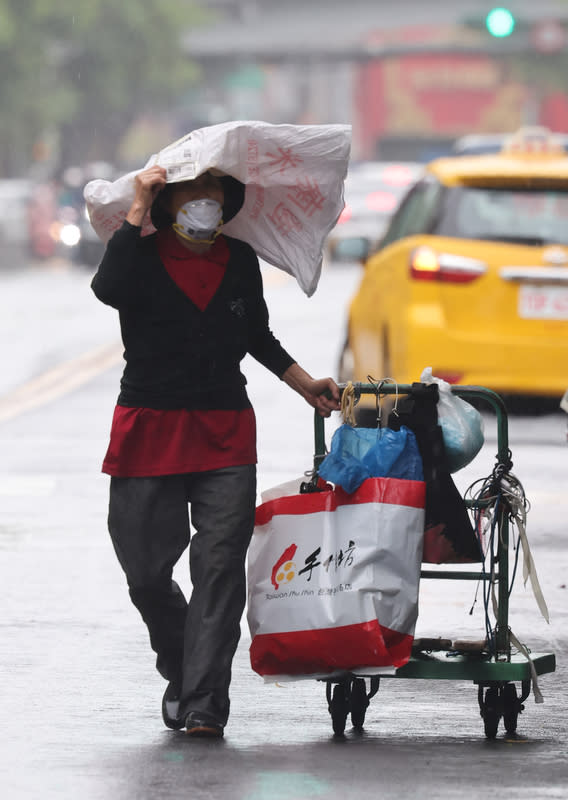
x: 333, y: 579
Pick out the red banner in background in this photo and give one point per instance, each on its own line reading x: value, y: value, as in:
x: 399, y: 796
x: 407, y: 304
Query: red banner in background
x: 433, y: 95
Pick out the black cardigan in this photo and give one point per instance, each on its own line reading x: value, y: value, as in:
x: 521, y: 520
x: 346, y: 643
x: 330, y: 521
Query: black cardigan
x: 176, y: 355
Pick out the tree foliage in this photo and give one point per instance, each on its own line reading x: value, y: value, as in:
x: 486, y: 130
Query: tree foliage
x: 84, y: 69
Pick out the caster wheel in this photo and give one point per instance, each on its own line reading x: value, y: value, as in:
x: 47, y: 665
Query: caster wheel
x: 491, y: 712
x: 339, y: 708
x: 359, y: 702
x: 511, y: 707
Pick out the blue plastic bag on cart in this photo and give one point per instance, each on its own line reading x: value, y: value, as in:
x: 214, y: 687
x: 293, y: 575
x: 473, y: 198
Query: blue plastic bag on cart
x: 359, y: 453
x: 461, y: 424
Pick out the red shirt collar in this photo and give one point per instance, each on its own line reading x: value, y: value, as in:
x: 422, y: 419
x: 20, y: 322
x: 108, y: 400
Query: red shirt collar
x: 169, y: 246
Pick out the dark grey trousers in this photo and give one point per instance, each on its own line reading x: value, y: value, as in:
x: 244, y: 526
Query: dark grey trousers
x: 149, y: 526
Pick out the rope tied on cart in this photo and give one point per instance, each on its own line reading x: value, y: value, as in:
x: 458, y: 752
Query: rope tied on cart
x: 348, y: 403
x: 503, y: 494
x: 517, y: 505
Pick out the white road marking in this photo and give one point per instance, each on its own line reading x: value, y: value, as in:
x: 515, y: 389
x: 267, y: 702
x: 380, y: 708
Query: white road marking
x: 27, y: 485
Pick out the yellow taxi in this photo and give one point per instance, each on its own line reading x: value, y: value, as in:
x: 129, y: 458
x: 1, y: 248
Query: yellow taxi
x: 471, y: 277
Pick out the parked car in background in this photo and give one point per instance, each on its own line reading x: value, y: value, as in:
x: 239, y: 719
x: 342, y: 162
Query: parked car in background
x: 15, y: 198
x: 471, y: 277
x: 90, y: 249
x: 57, y: 221
x: 373, y: 191
x: 75, y: 235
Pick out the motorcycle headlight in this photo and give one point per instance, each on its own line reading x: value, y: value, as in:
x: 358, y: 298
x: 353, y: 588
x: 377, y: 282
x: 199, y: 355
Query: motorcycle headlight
x: 70, y: 235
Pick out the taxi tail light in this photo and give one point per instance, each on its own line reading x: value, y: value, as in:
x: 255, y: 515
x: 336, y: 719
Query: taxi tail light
x: 449, y: 377
x: 426, y: 264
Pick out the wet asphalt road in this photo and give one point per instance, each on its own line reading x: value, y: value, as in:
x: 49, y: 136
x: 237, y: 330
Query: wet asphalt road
x: 80, y: 700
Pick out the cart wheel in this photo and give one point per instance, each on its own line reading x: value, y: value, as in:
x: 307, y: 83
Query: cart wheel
x: 339, y: 708
x: 359, y: 702
x: 491, y: 712
x: 511, y: 707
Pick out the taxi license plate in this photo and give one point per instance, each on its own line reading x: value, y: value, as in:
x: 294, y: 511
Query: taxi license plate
x: 543, y: 302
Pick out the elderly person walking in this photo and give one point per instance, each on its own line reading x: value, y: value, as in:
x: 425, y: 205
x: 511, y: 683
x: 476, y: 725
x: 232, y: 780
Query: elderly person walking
x: 183, y: 436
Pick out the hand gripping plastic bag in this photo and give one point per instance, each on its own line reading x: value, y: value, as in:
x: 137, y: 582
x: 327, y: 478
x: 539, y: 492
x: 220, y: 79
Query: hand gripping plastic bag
x: 293, y: 176
x: 359, y: 453
x: 333, y: 579
x: 461, y: 423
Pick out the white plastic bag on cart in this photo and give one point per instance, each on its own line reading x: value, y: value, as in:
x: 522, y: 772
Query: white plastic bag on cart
x: 293, y: 176
x: 333, y: 579
x: 461, y: 424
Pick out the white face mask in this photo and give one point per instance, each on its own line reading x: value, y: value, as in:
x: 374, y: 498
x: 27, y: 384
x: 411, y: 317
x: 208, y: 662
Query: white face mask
x: 199, y: 220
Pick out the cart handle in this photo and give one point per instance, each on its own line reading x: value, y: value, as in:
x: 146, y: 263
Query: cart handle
x: 466, y: 392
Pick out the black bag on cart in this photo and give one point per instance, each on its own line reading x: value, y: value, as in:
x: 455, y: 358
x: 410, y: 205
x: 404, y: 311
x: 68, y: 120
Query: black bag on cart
x: 449, y: 536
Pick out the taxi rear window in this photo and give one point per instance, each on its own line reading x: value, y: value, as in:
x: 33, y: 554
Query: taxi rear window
x: 531, y: 216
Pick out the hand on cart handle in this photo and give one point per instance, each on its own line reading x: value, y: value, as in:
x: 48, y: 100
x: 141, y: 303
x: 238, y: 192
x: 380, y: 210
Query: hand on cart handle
x: 321, y: 393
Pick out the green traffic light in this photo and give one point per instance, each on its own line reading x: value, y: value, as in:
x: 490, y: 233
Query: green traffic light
x: 500, y: 22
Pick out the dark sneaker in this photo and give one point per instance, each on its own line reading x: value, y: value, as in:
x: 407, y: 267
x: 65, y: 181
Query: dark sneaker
x: 170, y: 708
x: 199, y: 726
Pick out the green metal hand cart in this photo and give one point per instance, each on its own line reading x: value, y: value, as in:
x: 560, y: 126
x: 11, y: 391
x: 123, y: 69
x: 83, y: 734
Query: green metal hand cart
x: 497, y: 666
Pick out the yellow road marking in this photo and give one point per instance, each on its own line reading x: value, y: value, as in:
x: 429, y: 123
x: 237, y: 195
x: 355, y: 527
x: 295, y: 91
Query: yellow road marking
x: 74, y: 373
x: 58, y: 381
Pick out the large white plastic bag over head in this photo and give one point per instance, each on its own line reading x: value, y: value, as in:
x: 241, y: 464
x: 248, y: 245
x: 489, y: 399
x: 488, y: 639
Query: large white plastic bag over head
x: 293, y: 176
x: 461, y: 424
